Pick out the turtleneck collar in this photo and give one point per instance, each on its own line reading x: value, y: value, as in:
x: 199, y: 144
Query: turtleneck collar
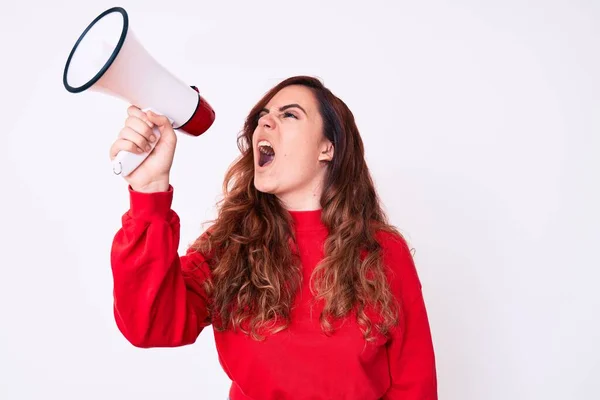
x: 307, y: 220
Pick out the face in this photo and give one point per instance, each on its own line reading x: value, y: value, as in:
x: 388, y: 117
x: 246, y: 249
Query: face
x: 290, y: 151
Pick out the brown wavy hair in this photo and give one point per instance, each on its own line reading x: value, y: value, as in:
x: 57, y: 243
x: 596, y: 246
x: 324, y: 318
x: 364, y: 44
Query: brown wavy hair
x: 255, y: 270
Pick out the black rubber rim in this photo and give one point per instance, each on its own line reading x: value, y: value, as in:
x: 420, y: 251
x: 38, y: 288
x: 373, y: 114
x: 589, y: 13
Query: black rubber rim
x: 110, y: 60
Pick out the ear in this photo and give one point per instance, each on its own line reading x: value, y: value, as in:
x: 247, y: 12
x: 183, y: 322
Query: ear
x: 326, y: 152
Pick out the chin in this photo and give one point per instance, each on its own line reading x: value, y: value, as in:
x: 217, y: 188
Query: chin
x: 262, y: 185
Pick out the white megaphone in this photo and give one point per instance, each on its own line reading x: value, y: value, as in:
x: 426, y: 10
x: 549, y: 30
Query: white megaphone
x: 108, y: 58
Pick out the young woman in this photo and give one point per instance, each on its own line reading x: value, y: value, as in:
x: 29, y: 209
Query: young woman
x: 310, y: 292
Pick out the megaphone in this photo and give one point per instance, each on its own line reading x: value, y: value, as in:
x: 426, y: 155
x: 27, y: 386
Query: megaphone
x: 108, y: 58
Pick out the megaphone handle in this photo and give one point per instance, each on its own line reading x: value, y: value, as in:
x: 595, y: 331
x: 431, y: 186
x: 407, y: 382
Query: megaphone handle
x: 126, y: 162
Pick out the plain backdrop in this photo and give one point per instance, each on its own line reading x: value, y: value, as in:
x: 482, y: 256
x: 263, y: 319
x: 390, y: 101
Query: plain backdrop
x: 481, y: 126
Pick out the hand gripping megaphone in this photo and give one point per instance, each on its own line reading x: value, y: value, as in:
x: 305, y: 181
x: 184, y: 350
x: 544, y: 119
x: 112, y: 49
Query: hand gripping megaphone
x: 108, y: 58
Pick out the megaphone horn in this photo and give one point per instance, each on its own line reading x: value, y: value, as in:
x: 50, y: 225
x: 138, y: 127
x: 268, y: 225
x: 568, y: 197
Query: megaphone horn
x: 108, y: 58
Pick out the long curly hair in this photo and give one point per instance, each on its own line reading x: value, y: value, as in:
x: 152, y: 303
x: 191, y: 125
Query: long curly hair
x: 255, y: 271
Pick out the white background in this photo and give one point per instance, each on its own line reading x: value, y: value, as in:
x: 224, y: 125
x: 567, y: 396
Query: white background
x: 481, y: 125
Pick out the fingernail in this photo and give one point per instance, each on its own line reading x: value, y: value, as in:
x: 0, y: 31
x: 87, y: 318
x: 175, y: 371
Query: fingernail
x: 152, y: 138
x: 148, y: 147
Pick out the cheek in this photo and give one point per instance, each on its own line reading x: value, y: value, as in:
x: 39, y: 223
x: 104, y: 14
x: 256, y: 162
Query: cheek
x: 299, y: 150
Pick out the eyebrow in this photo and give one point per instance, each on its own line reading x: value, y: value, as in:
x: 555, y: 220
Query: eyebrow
x: 283, y: 108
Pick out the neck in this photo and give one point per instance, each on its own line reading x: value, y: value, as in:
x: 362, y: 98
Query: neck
x: 302, y: 200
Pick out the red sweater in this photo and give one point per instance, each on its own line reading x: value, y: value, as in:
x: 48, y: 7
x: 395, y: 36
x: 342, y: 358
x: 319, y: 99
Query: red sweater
x: 159, y: 302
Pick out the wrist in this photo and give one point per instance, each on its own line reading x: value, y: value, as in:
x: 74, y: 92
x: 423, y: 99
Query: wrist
x: 150, y: 205
x: 161, y: 185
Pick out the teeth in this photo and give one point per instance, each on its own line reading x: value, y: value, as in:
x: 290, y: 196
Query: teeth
x: 264, y: 143
x: 265, y: 147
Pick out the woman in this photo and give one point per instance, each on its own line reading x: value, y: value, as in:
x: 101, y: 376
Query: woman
x: 311, y: 294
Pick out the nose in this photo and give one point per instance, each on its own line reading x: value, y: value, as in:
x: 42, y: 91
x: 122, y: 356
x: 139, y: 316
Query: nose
x: 266, y: 122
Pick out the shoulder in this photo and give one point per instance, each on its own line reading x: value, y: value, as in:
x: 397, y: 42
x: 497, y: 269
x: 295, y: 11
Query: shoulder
x: 394, y: 246
x: 400, y: 266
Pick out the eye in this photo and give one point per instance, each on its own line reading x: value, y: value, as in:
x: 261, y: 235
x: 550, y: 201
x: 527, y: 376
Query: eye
x: 289, y: 114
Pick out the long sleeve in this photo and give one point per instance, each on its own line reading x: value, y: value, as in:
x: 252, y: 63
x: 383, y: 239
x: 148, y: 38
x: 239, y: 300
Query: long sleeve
x: 159, y: 300
x: 411, y: 355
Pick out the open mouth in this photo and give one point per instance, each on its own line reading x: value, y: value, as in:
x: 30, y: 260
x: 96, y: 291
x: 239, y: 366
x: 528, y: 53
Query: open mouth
x: 266, y: 154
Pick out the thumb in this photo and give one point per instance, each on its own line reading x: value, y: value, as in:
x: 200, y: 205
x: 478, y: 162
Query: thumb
x: 162, y: 122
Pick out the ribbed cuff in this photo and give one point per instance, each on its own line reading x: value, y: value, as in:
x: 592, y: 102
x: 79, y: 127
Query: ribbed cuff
x: 150, y: 205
